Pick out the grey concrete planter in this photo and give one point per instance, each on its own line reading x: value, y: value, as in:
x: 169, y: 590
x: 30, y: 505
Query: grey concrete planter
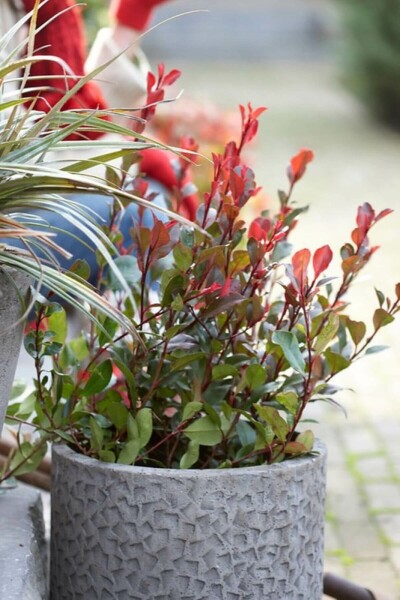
x: 14, y: 288
x: 135, y: 533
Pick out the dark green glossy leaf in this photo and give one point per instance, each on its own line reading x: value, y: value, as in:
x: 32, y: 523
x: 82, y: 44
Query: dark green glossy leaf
x: 290, y: 347
x: 246, y: 433
x: 184, y: 361
x: 255, y: 376
x: 99, y: 379
x: 223, y: 371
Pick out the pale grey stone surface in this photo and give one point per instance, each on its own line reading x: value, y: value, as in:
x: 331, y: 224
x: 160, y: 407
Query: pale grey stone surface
x: 12, y: 283
x: 23, y: 556
x: 139, y: 533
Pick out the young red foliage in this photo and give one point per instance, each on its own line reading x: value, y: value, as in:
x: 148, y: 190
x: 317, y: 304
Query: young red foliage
x: 300, y: 262
x: 298, y: 165
x: 321, y: 260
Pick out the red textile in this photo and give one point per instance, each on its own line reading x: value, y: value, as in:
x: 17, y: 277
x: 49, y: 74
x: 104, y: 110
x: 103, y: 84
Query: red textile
x: 64, y: 37
x: 135, y: 14
x: 156, y: 164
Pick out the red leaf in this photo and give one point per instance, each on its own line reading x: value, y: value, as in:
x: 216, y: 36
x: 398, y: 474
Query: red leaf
x: 258, y: 111
x: 358, y: 236
x: 298, y: 164
x: 383, y: 213
x: 365, y: 217
x: 321, y: 260
x: 151, y: 80
x: 300, y: 262
x: 159, y: 234
x: 172, y: 76
x: 259, y: 229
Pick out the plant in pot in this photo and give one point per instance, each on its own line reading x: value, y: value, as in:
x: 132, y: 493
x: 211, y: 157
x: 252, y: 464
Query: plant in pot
x: 183, y: 469
x: 35, y: 185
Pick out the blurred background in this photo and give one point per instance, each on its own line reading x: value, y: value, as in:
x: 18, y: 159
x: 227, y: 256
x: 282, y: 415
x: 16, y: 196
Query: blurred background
x: 329, y: 73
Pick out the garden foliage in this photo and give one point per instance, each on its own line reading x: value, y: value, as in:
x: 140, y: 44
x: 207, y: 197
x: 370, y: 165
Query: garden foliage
x: 238, y: 334
x: 372, y: 55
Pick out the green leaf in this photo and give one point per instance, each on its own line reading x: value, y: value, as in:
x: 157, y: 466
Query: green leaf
x: 204, y: 431
x: 99, y: 379
x: 183, y: 361
x: 117, y: 413
x: 380, y: 296
x: 177, y: 304
x: 375, y: 349
x: 27, y: 406
x: 183, y: 257
x: 382, y: 318
x: 64, y: 436
x: 307, y: 439
x: 290, y: 347
x: 80, y: 268
x: 273, y: 418
x: 255, y: 376
x: 191, y: 455
x: 212, y: 413
x: 30, y: 464
x: 144, y: 420
x: 357, y: 330
x: 328, y: 332
x: 288, y: 400
x: 96, y: 435
x: 58, y: 323
x: 79, y: 347
x: 132, y: 429
x: 336, y: 362
x: 172, y: 285
x: 129, y: 453
x: 110, y: 328
x: 223, y: 371
x: 246, y: 433
x: 128, y: 267
x: 191, y: 408
x: 107, y: 456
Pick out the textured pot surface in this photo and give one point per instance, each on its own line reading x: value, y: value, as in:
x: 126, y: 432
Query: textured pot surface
x: 136, y: 533
x: 14, y: 288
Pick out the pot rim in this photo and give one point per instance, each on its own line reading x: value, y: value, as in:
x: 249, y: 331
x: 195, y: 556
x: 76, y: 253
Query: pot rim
x: 295, y: 464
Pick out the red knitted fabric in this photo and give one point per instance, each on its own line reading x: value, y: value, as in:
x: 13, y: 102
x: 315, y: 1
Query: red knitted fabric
x: 157, y: 164
x: 135, y: 14
x: 64, y: 37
